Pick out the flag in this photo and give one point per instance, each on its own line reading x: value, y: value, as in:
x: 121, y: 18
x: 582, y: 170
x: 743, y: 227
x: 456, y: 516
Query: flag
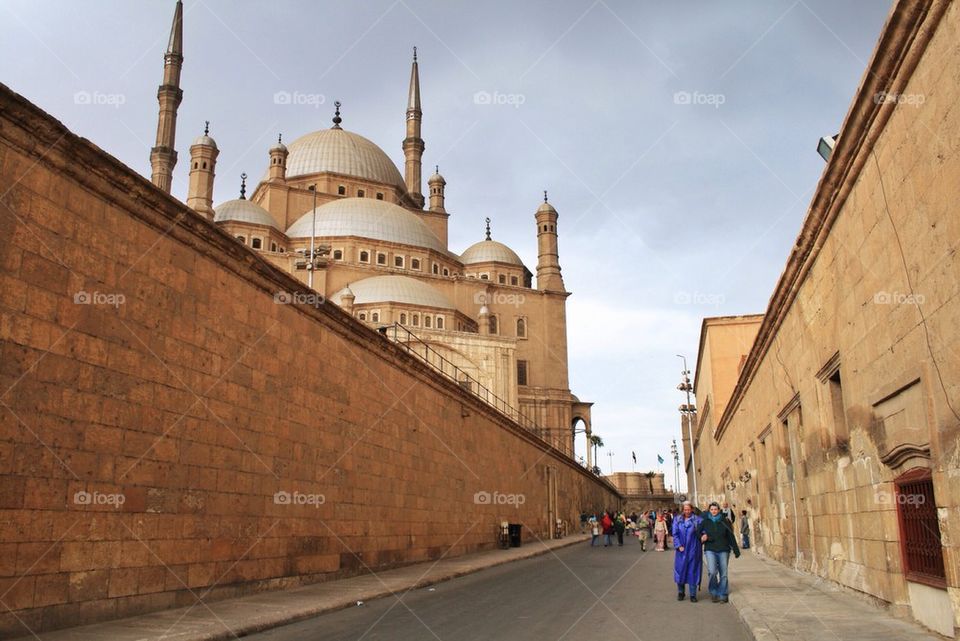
x: 659, y: 459
x: 634, y: 456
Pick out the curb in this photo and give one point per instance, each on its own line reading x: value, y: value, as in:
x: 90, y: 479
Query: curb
x: 280, y: 618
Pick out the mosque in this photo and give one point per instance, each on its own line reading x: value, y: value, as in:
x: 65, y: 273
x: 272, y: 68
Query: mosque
x: 333, y: 210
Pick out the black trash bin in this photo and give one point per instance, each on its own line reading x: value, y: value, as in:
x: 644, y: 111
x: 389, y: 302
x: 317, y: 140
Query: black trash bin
x: 515, y: 537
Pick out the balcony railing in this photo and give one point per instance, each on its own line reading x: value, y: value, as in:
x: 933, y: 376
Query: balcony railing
x: 415, y: 346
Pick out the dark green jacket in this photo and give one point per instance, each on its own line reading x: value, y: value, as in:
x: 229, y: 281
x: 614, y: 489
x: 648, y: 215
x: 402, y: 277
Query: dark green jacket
x: 720, y: 537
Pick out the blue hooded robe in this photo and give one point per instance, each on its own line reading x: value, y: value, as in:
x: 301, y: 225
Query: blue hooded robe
x: 688, y: 564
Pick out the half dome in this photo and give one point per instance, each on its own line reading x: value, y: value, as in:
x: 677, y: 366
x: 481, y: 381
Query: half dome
x: 490, y: 251
x: 243, y: 211
x: 394, y: 289
x: 342, y: 152
x: 367, y: 218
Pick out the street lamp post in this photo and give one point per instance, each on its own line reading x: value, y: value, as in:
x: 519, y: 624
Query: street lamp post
x: 610, y: 454
x: 313, y: 232
x: 689, y: 412
x: 676, y: 466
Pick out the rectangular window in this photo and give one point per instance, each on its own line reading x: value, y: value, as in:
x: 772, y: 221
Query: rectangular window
x: 921, y: 547
x: 521, y: 372
x: 514, y: 280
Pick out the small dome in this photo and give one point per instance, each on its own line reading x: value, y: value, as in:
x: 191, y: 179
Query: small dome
x: 490, y: 251
x: 436, y: 178
x: 367, y: 218
x: 346, y: 292
x: 342, y: 152
x: 394, y: 289
x: 278, y: 146
x: 546, y: 207
x: 243, y: 211
x: 204, y: 139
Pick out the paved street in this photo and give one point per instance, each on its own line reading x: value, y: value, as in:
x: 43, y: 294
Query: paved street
x: 573, y: 593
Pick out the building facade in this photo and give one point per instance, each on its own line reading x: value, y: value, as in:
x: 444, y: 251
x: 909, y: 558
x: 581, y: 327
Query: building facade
x: 840, y: 433
x: 332, y: 209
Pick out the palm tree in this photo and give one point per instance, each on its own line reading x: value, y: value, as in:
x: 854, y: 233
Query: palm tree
x: 596, y: 442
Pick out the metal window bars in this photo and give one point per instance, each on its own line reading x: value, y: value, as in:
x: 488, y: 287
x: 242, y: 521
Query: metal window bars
x: 414, y: 345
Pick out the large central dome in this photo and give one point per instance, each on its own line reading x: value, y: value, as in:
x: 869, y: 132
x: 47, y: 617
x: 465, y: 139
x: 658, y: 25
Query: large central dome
x: 367, y: 218
x: 343, y: 152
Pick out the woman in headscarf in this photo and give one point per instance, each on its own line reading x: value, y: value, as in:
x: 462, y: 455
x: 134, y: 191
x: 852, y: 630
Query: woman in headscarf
x: 688, y: 563
x: 660, y: 531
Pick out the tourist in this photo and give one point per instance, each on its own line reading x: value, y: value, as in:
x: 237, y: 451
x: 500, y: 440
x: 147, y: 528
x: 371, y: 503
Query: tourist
x: 744, y: 530
x: 607, y: 526
x: 719, y: 540
x: 643, y: 532
x: 669, y: 519
x: 594, y: 532
x: 660, y: 532
x: 619, y: 525
x: 688, y: 563
x: 728, y: 513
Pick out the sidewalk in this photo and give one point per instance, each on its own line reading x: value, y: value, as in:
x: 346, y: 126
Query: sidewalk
x: 232, y: 618
x: 778, y: 603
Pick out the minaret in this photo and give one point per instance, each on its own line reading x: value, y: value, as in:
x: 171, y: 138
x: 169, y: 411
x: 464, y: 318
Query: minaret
x: 413, y: 144
x: 436, y: 184
x: 548, y: 257
x: 278, y: 161
x: 203, y: 165
x: 163, y: 157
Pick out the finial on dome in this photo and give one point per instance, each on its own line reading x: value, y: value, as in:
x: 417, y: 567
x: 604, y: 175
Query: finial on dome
x: 488, y: 228
x: 280, y: 139
x: 544, y: 195
x: 336, y: 115
x: 243, y: 186
x: 436, y: 169
x: 414, y: 54
x: 206, y: 127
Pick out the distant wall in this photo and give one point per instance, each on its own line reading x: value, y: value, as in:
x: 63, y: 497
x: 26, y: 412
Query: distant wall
x: 168, y: 430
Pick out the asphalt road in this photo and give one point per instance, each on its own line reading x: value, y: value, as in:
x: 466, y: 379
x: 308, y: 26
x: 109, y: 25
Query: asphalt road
x: 576, y: 593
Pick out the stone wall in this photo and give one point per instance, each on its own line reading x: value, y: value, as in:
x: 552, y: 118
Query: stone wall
x: 168, y: 431
x: 854, y: 378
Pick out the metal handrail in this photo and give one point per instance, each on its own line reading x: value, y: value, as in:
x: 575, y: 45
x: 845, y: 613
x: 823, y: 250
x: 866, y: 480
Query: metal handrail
x: 413, y: 344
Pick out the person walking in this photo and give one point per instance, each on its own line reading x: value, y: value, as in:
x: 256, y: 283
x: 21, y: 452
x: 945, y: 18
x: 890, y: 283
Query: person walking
x: 744, y: 530
x: 728, y: 513
x: 594, y: 532
x: 619, y: 526
x: 719, y: 541
x: 606, y: 525
x: 688, y: 537
x: 660, y: 532
x: 669, y: 519
x: 643, y: 531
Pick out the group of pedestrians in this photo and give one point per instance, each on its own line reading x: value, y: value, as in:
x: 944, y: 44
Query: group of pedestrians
x: 695, y: 535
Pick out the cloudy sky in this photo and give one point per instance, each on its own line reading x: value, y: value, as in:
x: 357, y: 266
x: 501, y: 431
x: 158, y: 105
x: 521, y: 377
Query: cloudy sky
x: 677, y: 140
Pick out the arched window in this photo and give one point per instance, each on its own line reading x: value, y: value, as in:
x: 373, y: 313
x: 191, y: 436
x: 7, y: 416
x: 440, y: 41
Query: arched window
x: 446, y: 272
x: 257, y: 243
x: 243, y: 241
x: 360, y: 193
x: 436, y: 268
x: 338, y: 254
x: 379, y: 196
x: 273, y: 247
x: 375, y: 317
x: 364, y: 256
x: 502, y: 279
x: 415, y: 264
x: 415, y: 320
x: 403, y: 318
x: 341, y: 190
x: 521, y: 328
x: 363, y: 316
x: 381, y: 259
x: 493, y: 325
x: 427, y: 322
x: 439, y: 322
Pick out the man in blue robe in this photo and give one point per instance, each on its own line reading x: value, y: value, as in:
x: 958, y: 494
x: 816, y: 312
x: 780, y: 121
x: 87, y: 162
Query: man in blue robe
x: 687, y: 541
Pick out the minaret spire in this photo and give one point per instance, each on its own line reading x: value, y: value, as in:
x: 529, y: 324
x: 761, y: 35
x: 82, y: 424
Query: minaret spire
x: 413, y: 145
x: 488, y: 228
x: 163, y: 156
